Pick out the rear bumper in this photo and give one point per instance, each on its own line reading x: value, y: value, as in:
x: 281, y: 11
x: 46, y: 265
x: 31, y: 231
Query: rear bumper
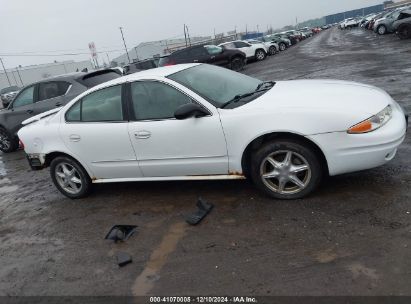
x: 36, y: 161
x: 355, y: 152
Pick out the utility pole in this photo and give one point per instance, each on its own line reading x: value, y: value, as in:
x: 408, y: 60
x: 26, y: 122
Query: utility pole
x: 18, y: 73
x: 188, y: 35
x: 258, y: 29
x: 185, y: 35
x: 125, y: 46
x: 5, y: 71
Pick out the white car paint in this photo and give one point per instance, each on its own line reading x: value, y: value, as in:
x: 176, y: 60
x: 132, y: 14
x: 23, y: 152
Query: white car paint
x: 212, y: 147
x: 249, y: 49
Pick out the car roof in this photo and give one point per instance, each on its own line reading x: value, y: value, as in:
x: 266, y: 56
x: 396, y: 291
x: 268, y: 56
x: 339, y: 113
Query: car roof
x: 147, y: 74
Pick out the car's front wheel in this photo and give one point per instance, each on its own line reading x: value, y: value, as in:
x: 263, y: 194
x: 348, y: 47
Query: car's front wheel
x: 272, y: 50
x: 282, y: 46
x: 8, y: 142
x: 382, y: 30
x: 286, y: 169
x: 69, y: 177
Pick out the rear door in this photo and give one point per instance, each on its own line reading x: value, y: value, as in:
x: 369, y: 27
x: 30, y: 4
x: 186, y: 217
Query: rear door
x: 50, y: 95
x: 21, y: 109
x: 96, y: 132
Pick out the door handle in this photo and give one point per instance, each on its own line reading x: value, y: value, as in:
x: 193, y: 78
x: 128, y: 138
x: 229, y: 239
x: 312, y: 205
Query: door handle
x: 29, y: 111
x: 212, y: 57
x: 58, y: 104
x: 74, y: 137
x: 142, y: 134
x: 195, y: 60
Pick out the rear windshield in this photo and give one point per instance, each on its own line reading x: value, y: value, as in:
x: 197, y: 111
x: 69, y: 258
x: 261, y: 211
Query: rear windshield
x: 96, y: 78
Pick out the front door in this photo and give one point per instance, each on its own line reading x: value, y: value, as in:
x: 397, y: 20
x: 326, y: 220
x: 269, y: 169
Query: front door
x: 21, y: 109
x: 168, y: 147
x: 96, y: 132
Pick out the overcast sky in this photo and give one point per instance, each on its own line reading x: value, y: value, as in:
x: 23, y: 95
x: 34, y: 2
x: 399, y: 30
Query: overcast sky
x: 56, y: 26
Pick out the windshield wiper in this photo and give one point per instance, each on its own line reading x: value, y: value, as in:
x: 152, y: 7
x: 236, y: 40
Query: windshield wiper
x: 237, y: 98
x: 265, y: 83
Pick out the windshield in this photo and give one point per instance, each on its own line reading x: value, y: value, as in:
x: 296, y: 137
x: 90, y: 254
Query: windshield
x: 215, y: 84
x: 9, y: 89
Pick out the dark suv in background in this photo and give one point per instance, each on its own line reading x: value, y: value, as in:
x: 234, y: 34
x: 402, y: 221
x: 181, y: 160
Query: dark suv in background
x: 138, y: 66
x: 211, y: 54
x: 43, y: 96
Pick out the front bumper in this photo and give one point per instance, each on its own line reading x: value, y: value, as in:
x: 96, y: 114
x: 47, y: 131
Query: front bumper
x: 355, y: 152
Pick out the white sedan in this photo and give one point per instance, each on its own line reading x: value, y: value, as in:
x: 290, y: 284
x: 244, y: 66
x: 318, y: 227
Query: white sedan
x: 202, y: 122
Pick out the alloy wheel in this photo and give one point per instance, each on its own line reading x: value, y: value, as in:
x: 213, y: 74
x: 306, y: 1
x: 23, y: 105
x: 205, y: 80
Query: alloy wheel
x: 285, y: 172
x: 260, y: 55
x: 4, y: 141
x: 68, y: 178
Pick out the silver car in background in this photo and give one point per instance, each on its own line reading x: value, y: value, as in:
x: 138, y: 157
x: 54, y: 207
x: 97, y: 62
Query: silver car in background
x: 7, y: 95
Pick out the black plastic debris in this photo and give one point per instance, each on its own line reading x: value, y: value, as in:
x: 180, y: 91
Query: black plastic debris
x: 204, y: 208
x: 120, y: 232
x: 123, y: 259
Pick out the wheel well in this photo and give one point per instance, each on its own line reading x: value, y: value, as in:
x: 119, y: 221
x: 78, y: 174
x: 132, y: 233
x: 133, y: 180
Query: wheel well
x: 260, y: 141
x: 260, y: 50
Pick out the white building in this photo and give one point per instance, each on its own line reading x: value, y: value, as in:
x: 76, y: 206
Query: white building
x: 21, y: 76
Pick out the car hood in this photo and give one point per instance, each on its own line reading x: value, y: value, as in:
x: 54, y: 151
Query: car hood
x: 351, y: 100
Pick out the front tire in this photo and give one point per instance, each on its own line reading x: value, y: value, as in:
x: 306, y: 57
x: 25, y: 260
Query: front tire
x: 286, y: 169
x: 272, y: 50
x: 382, y: 30
x: 282, y: 46
x: 69, y: 177
x: 8, y: 142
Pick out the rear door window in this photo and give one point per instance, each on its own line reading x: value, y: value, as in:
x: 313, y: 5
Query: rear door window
x: 48, y: 90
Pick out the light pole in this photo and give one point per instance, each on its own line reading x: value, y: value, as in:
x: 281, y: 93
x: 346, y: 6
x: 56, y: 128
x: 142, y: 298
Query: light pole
x: 125, y: 46
x: 5, y: 71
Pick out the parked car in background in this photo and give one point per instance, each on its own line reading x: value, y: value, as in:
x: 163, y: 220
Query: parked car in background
x: 386, y: 24
x: 42, y: 96
x: 257, y: 51
x: 282, y: 40
x: 273, y: 47
x: 8, y: 94
x: 187, y: 122
x: 140, y: 66
x: 211, y: 54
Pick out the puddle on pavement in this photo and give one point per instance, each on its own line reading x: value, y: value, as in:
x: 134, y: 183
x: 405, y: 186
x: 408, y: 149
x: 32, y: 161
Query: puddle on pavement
x: 151, y: 273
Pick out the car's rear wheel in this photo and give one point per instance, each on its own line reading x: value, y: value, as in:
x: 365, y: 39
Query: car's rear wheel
x: 282, y: 46
x: 286, y: 169
x: 382, y: 30
x: 260, y: 55
x: 69, y: 177
x: 8, y: 142
x: 237, y: 64
x: 272, y: 50
x: 404, y: 31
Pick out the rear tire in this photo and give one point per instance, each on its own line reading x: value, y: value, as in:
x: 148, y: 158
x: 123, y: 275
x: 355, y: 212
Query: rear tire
x: 404, y: 31
x: 260, y: 55
x: 8, y: 142
x: 237, y: 64
x: 286, y: 169
x: 69, y: 177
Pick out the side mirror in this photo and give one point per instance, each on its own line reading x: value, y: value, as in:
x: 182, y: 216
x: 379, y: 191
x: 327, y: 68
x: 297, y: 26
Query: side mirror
x: 190, y: 110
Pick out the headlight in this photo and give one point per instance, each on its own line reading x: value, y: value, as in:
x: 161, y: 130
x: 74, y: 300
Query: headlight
x: 372, y: 123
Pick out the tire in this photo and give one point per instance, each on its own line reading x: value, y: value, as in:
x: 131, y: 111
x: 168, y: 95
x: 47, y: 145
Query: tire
x: 272, y: 50
x: 282, y: 46
x: 289, y: 180
x: 237, y: 64
x: 79, y: 183
x: 382, y: 29
x: 8, y: 142
x: 404, y: 31
x: 260, y: 55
